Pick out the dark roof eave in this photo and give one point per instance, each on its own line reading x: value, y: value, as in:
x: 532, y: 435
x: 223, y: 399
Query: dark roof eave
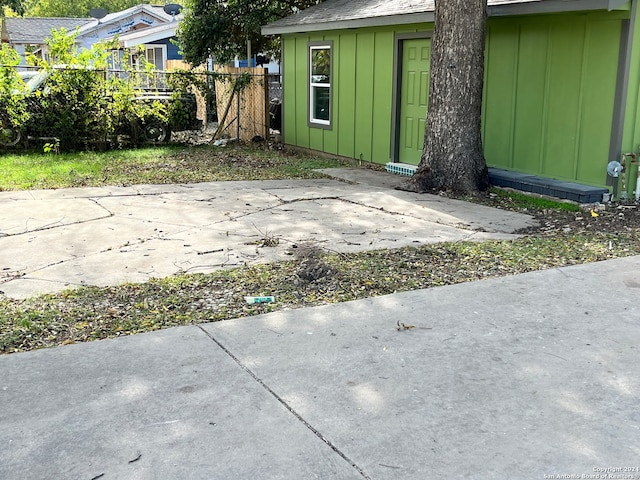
x: 406, y: 19
x: 553, y: 6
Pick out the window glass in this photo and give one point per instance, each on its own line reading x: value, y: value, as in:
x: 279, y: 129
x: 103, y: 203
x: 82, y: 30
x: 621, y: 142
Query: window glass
x: 320, y: 65
x: 155, y: 57
x: 320, y: 85
x: 321, y: 103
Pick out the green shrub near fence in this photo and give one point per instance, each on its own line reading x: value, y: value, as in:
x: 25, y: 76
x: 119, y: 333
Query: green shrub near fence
x: 86, y: 101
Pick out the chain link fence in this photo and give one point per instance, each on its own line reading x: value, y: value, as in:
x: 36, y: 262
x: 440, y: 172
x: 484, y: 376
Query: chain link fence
x: 242, y: 103
x: 236, y: 103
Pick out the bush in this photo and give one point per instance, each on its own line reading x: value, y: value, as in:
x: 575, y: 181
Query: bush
x: 13, y: 110
x: 84, y: 100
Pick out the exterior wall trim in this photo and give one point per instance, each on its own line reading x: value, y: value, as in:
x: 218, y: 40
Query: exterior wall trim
x: 622, y: 87
x: 553, y: 6
x: 528, y: 8
x: 282, y: 81
x: 320, y: 43
x: 390, y: 20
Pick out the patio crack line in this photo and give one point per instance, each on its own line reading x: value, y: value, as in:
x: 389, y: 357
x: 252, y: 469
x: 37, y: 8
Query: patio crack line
x: 59, y: 223
x: 286, y: 405
x: 408, y: 214
x: 464, y: 227
x: 11, y: 275
x: 311, y: 199
x: 272, y: 207
x: 53, y: 225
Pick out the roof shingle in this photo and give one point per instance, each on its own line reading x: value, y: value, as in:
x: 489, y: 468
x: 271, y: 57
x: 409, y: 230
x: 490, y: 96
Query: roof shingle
x: 339, y: 14
x: 34, y: 30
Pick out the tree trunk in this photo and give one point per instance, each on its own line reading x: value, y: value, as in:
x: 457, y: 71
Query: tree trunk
x: 452, y: 156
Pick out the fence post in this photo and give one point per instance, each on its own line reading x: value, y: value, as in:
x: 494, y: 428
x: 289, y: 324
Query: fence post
x: 267, y: 114
x: 238, y: 109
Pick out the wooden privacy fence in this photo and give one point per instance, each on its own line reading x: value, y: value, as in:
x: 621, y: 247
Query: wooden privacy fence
x: 242, y: 112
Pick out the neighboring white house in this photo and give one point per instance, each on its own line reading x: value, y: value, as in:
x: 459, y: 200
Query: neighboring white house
x: 30, y: 33
x: 143, y: 26
x: 132, y: 19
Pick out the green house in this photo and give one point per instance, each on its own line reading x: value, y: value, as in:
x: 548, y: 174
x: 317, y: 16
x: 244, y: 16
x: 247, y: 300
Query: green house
x: 561, y: 96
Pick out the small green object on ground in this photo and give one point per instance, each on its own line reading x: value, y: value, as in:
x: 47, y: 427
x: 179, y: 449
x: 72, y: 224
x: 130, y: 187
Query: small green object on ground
x: 260, y: 299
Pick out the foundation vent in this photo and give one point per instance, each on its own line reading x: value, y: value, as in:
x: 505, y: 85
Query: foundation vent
x: 401, y: 168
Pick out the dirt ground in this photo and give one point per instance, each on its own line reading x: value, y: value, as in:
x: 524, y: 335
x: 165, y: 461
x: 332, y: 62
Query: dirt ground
x: 613, y: 218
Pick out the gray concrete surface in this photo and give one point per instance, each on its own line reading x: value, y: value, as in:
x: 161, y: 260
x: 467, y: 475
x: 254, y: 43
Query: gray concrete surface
x: 524, y: 377
x: 56, y: 239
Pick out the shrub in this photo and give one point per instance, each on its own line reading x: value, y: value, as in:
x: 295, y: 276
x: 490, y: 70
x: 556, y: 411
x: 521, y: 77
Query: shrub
x: 13, y: 110
x: 88, y: 98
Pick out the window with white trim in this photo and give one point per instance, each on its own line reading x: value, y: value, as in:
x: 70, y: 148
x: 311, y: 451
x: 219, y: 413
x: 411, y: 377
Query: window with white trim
x: 156, y: 55
x: 320, y: 84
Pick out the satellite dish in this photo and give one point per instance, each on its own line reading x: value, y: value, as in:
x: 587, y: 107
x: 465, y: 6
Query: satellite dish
x: 172, y: 9
x: 98, y: 13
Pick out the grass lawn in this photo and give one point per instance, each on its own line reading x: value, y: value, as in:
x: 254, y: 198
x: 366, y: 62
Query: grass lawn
x: 153, y: 165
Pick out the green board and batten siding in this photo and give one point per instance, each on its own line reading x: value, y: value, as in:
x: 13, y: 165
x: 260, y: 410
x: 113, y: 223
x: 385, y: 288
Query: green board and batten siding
x: 362, y: 89
x: 549, y: 93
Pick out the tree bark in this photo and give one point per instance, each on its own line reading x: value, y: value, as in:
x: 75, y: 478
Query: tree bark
x: 452, y: 156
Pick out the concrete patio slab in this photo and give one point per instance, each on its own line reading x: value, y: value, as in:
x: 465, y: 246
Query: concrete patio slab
x: 56, y: 239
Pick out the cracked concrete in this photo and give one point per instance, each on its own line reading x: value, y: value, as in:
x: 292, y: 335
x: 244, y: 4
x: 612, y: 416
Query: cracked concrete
x: 56, y: 239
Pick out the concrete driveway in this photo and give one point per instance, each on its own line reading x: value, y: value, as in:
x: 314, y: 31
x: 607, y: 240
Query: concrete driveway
x: 56, y: 239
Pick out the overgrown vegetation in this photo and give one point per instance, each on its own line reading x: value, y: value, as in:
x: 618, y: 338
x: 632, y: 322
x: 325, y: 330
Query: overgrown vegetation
x: 74, y: 8
x: 84, y: 98
x: 222, y: 29
x: 13, y: 111
x: 11, y: 6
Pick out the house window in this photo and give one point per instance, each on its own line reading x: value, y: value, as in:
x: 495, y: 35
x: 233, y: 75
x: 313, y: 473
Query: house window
x: 320, y: 84
x: 156, y: 56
